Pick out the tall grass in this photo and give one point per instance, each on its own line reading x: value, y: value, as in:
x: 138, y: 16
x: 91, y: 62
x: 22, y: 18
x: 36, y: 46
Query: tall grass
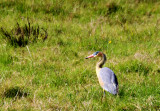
x: 53, y: 75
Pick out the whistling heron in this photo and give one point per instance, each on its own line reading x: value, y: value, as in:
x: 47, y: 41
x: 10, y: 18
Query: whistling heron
x: 106, y: 76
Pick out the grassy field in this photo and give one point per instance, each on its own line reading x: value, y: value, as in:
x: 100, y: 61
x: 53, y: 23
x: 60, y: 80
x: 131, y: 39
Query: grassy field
x: 43, y: 45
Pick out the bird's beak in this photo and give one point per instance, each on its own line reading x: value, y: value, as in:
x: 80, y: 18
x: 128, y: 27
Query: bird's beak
x: 91, y: 56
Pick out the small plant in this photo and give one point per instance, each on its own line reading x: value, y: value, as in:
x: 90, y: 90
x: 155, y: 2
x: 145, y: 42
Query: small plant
x: 22, y: 36
x: 109, y: 9
x: 15, y: 92
x: 112, y: 8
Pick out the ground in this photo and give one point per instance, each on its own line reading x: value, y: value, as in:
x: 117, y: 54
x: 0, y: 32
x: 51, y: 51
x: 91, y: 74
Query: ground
x: 43, y: 45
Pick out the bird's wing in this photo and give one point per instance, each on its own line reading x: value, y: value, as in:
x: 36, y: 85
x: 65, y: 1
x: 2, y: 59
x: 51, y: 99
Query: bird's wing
x: 109, y: 79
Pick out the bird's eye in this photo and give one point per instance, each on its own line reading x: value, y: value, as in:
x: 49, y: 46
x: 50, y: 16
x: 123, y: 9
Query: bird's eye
x: 96, y: 53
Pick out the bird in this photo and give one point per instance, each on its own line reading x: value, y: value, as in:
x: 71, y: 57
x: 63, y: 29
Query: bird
x: 107, y: 78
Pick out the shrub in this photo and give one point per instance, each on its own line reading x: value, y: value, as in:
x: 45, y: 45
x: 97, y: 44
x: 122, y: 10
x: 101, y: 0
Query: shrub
x: 23, y: 35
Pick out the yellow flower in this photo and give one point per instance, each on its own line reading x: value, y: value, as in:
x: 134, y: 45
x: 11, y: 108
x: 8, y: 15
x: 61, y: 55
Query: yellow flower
x: 109, y: 41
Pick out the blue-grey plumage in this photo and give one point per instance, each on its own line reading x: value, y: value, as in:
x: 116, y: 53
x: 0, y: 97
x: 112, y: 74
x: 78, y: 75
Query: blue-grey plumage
x: 109, y: 80
x: 106, y: 76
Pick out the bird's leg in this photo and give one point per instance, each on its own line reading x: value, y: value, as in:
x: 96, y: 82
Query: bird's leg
x: 103, y: 95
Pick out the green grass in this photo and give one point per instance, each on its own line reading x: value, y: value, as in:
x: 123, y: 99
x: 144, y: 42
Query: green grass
x: 53, y: 74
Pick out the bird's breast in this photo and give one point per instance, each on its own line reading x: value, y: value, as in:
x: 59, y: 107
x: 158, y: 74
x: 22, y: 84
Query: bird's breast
x: 99, y: 78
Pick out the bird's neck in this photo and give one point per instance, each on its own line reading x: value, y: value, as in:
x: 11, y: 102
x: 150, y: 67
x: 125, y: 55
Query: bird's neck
x: 101, y: 62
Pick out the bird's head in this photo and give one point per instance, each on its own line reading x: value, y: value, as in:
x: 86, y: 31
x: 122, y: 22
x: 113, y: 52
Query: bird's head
x: 96, y: 54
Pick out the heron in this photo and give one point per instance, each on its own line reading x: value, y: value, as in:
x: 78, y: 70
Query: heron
x: 107, y: 79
